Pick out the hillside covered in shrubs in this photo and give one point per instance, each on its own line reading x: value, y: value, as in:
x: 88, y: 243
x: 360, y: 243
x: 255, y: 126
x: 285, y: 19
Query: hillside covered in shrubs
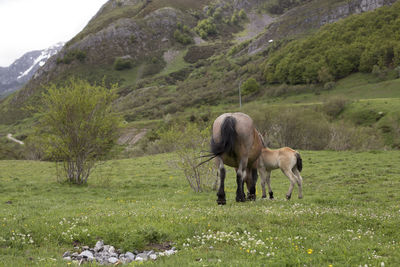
x: 366, y: 42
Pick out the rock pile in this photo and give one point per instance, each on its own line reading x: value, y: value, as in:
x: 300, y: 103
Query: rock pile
x: 107, y: 254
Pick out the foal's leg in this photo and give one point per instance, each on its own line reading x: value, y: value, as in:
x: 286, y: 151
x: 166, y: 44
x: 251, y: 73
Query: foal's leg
x: 263, y: 178
x: 293, y: 180
x: 299, y: 181
x: 221, y: 191
x: 240, y: 176
x: 268, y: 180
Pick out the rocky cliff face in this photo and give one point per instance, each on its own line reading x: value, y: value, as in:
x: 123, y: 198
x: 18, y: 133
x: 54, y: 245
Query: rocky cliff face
x: 136, y: 38
x: 17, y: 74
x: 312, y: 16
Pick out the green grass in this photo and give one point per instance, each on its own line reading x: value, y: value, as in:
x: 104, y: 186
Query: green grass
x: 176, y: 64
x: 354, y: 87
x: 349, y: 215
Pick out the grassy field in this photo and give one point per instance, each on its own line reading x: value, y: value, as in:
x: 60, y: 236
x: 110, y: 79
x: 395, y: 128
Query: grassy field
x: 349, y: 215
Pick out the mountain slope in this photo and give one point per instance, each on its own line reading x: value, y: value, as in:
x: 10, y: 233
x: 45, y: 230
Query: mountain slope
x: 143, y: 32
x: 18, y: 73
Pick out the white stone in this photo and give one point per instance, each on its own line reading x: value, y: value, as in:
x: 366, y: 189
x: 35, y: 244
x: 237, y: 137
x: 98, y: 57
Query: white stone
x: 112, y: 260
x: 87, y: 254
x: 130, y: 255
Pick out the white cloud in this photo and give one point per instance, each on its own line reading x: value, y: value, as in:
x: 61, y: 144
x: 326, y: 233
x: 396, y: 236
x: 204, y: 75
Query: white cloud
x: 28, y: 25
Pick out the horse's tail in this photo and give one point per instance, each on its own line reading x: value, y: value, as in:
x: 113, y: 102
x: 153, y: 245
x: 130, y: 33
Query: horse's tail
x: 228, y: 137
x: 299, y: 162
x: 227, y: 142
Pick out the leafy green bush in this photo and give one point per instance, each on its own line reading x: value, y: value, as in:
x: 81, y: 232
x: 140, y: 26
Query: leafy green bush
x: 182, y: 38
x: 123, y: 63
x: 79, y: 126
x: 250, y: 86
x: 242, y: 14
x: 206, y: 27
x: 71, y: 56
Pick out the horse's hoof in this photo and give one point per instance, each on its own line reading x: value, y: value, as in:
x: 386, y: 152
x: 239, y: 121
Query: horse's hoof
x: 221, y: 201
x: 300, y: 197
x: 264, y: 196
x: 288, y: 197
x: 251, y: 197
x: 241, y: 199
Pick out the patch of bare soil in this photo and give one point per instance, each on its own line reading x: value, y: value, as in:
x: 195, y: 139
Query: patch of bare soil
x: 256, y: 25
x: 131, y: 136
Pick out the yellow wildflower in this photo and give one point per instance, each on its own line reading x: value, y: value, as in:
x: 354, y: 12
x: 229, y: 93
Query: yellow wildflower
x: 309, y: 251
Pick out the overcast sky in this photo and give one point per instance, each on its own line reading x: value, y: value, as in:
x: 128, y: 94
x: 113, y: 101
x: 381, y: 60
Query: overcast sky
x: 27, y: 25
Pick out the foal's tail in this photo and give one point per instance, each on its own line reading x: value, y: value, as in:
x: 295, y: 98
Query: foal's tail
x: 228, y: 137
x: 299, y: 162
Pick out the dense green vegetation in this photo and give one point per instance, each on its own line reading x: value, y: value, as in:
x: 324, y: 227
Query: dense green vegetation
x: 359, y: 43
x: 78, y: 127
x: 123, y: 63
x: 349, y: 214
x: 71, y: 56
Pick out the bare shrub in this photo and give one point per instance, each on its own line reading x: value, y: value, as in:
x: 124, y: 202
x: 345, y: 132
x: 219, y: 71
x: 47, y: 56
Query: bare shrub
x: 344, y: 136
x: 188, y: 142
x: 295, y: 127
x: 34, y: 148
x: 308, y: 129
x: 334, y: 106
x: 329, y: 86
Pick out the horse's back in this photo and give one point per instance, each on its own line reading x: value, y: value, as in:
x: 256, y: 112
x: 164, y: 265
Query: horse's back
x: 287, y: 156
x: 244, y: 124
x: 247, y: 141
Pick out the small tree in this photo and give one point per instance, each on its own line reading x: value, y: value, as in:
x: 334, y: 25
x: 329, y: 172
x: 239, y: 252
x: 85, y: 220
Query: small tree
x: 80, y: 126
x: 250, y: 86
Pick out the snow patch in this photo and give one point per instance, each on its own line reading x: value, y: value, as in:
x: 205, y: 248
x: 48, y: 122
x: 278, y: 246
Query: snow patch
x: 42, y: 58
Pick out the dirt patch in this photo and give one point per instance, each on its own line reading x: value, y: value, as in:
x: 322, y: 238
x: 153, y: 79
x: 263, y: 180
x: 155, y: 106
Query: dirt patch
x: 195, y: 53
x: 256, y: 25
x: 131, y: 136
x: 159, y: 247
x: 170, y: 55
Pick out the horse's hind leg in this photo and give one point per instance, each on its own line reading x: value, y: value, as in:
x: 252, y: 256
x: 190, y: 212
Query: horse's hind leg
x: 240, y: 177
x: 299, y: 182
x: 221, y: 191
x: 252, y: 185
x: 268, y: 180
x: 293, y: 181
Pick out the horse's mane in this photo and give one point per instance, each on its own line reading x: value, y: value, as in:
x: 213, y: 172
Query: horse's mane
x: 262, y: 139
